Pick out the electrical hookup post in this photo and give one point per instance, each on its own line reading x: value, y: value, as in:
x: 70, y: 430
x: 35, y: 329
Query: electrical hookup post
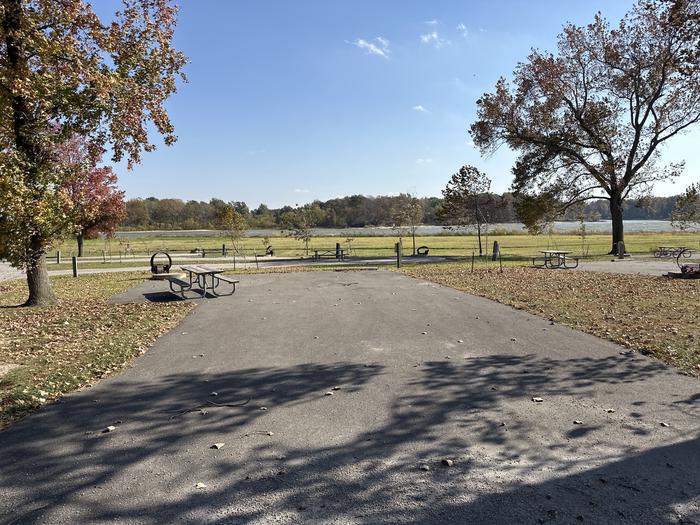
x: 397, y: 248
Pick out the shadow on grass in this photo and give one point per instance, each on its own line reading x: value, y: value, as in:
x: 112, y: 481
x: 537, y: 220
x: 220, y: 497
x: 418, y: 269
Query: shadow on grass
x: 373, y: 478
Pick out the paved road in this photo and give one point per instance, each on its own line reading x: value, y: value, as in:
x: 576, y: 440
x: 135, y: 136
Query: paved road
x: 410, y: 394
x: 644, y: 266
x: 8, y: 272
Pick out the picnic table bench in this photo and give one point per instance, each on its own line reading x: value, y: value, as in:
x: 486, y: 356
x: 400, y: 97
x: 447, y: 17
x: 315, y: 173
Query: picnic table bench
x: 205, y: 277
x: 331, y: 254
x: 554, y: 259
x: 672, y: 251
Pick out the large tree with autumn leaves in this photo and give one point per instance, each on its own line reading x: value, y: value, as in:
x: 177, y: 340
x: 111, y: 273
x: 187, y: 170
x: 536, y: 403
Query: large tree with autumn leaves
x: 66, y: 72
x: 95, y: 204
x: 589, y: 121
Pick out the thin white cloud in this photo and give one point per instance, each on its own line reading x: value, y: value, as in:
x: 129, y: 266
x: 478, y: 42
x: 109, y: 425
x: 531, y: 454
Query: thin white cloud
x: 432, y: 22
x: 297, y: 190
x: 378, y: 47
x: 434, y: 39
x: 482, y: 30
x: 463, y: 29
x: 419, y: 108
x: 424, y: 161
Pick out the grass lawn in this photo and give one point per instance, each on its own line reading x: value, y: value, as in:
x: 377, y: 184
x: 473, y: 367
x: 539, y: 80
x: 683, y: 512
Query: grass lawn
x: 653, y: 315
x: 53, y: 350
x: 512, y: 245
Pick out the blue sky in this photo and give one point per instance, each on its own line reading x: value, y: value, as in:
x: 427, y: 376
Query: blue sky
x: 290, y: 101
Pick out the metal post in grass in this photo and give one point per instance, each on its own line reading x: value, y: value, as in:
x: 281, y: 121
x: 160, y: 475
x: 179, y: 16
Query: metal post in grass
x: 472, y: 261
x: 74, y: 260
x: 397, y: 247
x: 58, y: 257
x: 496, y: 251
x: 223, y: 250
x: 257, y: 266
x: 500, y: 262
x: 104, y: 256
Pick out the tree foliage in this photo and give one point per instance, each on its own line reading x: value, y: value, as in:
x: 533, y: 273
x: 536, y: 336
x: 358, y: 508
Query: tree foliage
x: 64, y: 72
x: 589, y: 121
x: 95, y: 203
x: 686, y: 211
x: 466, y: 199
x: 407, y: 214
x: 233, y: 222
x: 300, y: 222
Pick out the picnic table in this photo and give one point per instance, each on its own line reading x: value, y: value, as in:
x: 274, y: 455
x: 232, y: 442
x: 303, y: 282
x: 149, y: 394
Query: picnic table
x: 331, y: 254
x: 672, y: 251
x: 555, y: 259
x: 205, y: 277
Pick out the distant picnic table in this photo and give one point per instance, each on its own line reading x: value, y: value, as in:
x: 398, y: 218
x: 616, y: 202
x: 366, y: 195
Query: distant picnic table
x: 331, y: 254
x: 672, y: 251
x: 553, y: 259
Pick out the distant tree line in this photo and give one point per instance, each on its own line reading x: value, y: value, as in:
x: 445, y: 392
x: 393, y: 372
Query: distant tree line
x: 356, y: 211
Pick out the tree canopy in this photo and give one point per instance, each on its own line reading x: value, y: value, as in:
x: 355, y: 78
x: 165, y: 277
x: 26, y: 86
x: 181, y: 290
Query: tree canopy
x: 233, y: 222
x: 686, y: 210
x: 65, y: 72
x: 96, y: 205
x: 466, y: 200
x: 589, y: 121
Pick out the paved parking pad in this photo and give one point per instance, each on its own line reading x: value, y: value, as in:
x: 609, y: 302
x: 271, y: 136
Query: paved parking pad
x: 363, y: 397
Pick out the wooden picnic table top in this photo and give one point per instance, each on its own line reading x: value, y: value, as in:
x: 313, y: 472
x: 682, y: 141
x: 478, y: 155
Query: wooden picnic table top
x: 560, y: 252
x: 201, y: 269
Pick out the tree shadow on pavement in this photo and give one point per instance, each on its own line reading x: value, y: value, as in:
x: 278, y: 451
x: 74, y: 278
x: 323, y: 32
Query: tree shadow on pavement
x: 509, y: 467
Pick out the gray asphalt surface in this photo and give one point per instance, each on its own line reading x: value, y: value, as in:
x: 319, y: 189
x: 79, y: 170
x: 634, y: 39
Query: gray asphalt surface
x: 8, y: 272
x: 645, y: 266
x: 410, y: 395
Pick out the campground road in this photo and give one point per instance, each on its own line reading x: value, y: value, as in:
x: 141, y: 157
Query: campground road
x: 423, y: 373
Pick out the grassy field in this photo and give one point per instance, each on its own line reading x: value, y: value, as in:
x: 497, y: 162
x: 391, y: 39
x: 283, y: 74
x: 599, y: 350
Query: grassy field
x: 653, y: 315
x: 512, y: 245
x: 46, y: 352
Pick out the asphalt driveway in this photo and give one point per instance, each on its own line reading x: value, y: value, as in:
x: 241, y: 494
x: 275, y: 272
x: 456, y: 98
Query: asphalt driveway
x: 418, y: 374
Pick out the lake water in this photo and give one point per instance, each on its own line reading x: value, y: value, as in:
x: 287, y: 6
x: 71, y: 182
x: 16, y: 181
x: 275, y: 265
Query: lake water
x: 591, y: 227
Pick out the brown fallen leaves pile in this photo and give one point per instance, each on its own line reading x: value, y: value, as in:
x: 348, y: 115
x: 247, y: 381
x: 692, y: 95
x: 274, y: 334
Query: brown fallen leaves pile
x: 64, y: 347
x: 653, y: 315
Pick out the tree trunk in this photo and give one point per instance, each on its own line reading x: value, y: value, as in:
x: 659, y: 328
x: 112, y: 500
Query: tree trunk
x: 618, y: 228
x: 478, y: 233
x: 414, y: 240
x: 477, y: 216
x: 24, y: 126
x: 40, y: 293
x: 80, y: 244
